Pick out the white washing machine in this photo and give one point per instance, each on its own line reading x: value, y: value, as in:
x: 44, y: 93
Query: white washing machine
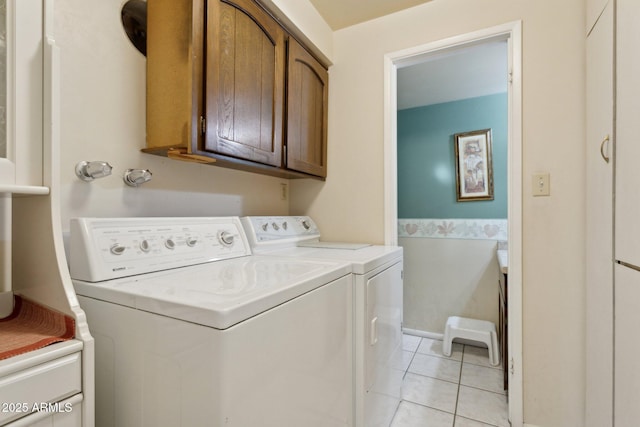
x: 378, y: 304
x: 192, y: 330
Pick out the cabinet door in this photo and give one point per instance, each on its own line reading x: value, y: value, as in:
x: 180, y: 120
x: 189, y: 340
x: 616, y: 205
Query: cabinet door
x: 244, y: 86
x: 627, y: 132
x: 627, y: 347
x: 599, y: 186
x: 308, y: 89
x: 594, y: 9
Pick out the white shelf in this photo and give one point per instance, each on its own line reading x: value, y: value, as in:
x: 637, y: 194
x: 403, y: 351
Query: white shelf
x: 31, y: 190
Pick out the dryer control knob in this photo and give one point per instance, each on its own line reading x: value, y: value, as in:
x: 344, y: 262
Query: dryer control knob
x: 306, y: 224
x: 145, y: 246
x: 265, y: 226
x: 169, y: 244
x: 191, y: 241
x: 275, y: 226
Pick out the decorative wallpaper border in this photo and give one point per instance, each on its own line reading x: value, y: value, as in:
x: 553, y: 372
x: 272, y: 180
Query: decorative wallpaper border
x: 487, y: 229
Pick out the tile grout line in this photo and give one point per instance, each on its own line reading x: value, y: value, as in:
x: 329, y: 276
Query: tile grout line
x: 459, y: 383
x: 403, y: 378
x: 413, y: 356
x: 476, y: 388
x: 455, y: 411
x: 478, y: 421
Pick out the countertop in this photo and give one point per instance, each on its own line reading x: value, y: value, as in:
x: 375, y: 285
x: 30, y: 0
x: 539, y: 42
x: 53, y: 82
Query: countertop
x: 503, y: 260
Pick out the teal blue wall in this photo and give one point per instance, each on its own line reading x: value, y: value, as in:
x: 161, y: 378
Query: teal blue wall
x: 426, y: 165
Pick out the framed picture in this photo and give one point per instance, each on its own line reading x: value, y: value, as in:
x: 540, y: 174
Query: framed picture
x: 474, y: 171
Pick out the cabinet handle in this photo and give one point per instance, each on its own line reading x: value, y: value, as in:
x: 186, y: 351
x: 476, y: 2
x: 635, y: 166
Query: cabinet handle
x: 604, y: 156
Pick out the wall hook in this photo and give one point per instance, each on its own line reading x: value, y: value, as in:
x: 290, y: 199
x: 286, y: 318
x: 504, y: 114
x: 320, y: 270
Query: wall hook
x: 136, y: 177
x: 88, y: 171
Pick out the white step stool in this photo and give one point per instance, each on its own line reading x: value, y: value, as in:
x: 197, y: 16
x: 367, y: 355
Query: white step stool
x: 474, y: 330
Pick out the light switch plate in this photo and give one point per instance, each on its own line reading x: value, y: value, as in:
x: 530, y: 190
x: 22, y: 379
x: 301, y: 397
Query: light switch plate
x: 540, y: 184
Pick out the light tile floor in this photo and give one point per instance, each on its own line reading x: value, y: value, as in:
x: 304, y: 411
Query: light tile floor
x: 463, y: 390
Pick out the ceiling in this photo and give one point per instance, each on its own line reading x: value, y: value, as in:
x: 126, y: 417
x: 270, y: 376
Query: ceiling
x: 344, y: 13
x: 453, y: 75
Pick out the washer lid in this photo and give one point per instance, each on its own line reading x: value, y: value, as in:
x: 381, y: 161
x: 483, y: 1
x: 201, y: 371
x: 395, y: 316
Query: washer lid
x: 333, y: 245
x: 218, y: 294
x: 362, y: 260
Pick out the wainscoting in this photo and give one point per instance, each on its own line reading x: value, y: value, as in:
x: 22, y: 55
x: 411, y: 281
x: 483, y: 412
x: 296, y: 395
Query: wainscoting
x: 450, y: 269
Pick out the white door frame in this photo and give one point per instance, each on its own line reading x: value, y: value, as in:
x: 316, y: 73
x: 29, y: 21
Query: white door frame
x: 512, y: 32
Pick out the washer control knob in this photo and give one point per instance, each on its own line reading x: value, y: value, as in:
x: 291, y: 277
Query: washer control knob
x: 265, y: 226
x: 191, y: 241
x: 285, y: 225
x: 169, y: 244
x: 306, y: 224
x: 117, y: 249
x: 275, y: 226
x: 226, y: 238
x: 145, y: 246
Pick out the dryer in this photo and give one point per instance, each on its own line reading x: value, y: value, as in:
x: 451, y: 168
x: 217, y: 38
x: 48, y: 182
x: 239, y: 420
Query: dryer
x: 378, y: 303
x: 192, y: 330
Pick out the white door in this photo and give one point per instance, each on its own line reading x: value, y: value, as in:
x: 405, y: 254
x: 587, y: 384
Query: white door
x: 599, y: 185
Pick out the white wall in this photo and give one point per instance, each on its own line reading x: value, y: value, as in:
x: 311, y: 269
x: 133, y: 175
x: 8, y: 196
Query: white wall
x: 448, y: 277
x: 302, y: 15
x: 350, y: 206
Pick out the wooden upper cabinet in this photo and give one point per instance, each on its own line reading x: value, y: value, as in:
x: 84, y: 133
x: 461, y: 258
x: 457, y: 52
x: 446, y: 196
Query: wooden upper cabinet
x: 174, y: 74
x: 307, y: 99
x: 227, y: 85
x: 244, y: 82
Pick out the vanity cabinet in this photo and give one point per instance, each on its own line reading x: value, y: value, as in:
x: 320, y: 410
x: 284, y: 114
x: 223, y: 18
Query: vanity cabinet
x: 228, y: 85
x: 503, y: 327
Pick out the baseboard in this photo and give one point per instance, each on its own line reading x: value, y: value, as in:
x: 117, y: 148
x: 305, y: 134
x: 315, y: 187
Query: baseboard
x: 436, y: 336
x: 424, y: 334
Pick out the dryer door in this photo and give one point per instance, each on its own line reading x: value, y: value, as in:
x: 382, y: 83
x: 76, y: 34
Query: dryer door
x: 383, y: 348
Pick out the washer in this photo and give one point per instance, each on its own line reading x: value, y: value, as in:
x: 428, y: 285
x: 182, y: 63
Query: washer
x: 378, y: 304
x: 192, y: 330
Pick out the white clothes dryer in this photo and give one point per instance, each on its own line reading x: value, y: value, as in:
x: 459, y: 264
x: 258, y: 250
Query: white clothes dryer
x: 192, y: 330
x: 378, y: 304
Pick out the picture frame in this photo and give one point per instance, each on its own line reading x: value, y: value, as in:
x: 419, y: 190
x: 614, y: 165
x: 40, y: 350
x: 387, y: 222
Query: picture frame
x: 474, y: 167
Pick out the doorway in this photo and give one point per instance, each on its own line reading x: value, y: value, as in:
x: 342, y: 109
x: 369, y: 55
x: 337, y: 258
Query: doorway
x: 511, y: 34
